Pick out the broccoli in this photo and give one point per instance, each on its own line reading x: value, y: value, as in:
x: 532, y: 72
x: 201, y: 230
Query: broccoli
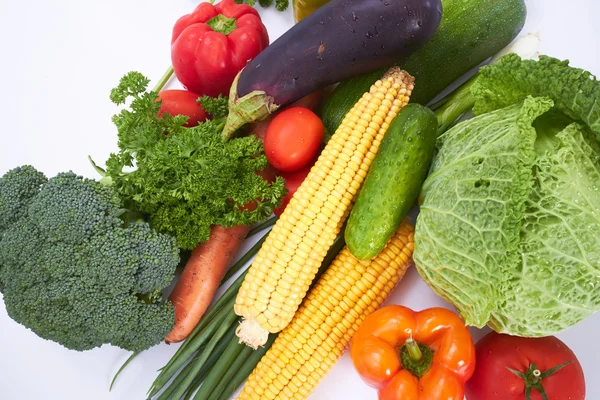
x: 73, y: 271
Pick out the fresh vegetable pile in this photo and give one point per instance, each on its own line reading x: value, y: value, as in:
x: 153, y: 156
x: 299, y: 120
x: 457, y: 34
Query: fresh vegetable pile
x: 507, y: 232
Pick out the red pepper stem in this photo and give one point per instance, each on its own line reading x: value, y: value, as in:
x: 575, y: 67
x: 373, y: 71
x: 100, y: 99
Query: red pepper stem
x: 413, y: 349
x: 222, y: 24
x: 163, y: 80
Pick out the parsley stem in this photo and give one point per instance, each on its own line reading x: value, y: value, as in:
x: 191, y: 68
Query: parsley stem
x: 163, y: 80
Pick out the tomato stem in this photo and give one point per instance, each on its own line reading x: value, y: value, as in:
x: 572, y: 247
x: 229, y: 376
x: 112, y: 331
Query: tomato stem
x: 533, y: 378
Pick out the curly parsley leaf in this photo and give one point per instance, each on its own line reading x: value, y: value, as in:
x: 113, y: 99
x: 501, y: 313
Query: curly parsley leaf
x: 186, y: 179
x: 218, y: 107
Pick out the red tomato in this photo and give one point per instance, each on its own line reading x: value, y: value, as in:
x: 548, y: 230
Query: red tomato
x: 310, y: 101
x: 529, y: 356
x: 182, y: 102
x: 293, y: 139
x: 293, y: 180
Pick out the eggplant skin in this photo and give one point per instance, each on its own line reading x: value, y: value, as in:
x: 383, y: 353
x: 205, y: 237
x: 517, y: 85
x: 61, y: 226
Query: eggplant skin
x: 340, y: 40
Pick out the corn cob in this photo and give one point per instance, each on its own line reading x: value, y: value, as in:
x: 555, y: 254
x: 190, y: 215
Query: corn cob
x: 321, y: 330
x: 287, y: 262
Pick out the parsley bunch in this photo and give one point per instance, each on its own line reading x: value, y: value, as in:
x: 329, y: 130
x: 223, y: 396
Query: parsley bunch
x: 186, y: 179
x: 280, y: 5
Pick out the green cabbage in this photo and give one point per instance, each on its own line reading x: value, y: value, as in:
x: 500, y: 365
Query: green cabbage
x: 509, y: 228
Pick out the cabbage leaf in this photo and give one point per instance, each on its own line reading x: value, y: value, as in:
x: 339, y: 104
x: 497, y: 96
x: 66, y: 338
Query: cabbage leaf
x: 575, y: 92
x: 467, y: 232
x: 509, y: 228
x: 557, y: 281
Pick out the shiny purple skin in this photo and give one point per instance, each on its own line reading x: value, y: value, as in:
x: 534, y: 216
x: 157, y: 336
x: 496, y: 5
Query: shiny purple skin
x: 342, y: 39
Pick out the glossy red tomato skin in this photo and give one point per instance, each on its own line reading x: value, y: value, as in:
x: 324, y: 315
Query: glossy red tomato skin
x: 310, y: 101
x: 493, y: 381
x: 182, y: 102
x: 293, y: 180
x: 293, y: 139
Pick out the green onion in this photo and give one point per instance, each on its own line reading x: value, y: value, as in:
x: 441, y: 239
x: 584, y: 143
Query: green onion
x: 197, y: 366
x: 206, y: 368
x: 167, y: 373
x: 226, y: 388
x: 267, y: 224
x: 220, y: 369
x: 131, y: 357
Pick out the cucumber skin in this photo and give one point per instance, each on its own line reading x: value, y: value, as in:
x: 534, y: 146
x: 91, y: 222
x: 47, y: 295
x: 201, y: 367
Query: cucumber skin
x: 393, y: 182
x: 471, y: 31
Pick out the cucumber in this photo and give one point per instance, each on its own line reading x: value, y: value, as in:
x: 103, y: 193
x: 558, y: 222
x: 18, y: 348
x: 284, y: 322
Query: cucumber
x: 471, y: 31
x: 393, y: 182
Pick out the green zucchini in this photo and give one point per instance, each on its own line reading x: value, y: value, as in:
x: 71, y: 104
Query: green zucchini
x: 471, y: 31
x: 393, y: 182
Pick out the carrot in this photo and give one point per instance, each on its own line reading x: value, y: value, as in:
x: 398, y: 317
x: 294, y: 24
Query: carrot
x: 201, y: 277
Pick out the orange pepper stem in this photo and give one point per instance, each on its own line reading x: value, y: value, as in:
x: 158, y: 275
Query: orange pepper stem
x: 416, y: 357
x: 413, y: 349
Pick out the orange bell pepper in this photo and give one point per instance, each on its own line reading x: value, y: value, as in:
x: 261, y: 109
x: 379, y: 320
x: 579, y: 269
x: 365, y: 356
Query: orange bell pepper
x: 408, y: 355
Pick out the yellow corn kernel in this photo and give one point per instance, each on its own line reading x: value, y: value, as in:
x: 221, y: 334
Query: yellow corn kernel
x: 312, y: 359
x: 321, y: 204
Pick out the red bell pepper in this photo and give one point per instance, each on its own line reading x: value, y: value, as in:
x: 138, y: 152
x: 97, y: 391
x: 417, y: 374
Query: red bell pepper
x: 213, y: 43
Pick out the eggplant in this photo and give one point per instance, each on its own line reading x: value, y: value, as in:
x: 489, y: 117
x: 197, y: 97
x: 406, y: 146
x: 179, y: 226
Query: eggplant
x: 340, y: 40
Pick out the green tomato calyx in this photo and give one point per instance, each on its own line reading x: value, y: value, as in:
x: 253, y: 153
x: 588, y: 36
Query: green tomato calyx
x: 533, y: 378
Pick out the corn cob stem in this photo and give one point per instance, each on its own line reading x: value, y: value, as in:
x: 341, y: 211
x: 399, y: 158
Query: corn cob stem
x: 287, y: 262
x: 322, y: 328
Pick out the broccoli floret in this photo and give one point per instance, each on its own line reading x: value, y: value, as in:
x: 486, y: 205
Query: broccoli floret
x: 74, y: 272
x: 17, y: 187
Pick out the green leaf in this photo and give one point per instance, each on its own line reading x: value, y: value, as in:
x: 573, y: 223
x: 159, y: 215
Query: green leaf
x: 467, y: 232
x: 131, y: 85
x: 218, y: 107
x: 282, y: 5
x: 186, y: 179
x: 555, y: 285
x: 575, y: 92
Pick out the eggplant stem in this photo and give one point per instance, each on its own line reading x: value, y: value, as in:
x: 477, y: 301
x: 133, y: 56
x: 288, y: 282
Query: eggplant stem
x: 255, y: 106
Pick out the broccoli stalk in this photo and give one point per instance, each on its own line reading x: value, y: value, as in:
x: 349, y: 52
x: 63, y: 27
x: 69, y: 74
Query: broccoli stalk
x: 73, y: 271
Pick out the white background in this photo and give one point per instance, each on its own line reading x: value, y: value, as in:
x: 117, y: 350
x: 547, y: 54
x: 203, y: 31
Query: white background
x: 59, y: 61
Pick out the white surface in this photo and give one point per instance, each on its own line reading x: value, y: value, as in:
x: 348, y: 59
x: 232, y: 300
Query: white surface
x: 60, y: 60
